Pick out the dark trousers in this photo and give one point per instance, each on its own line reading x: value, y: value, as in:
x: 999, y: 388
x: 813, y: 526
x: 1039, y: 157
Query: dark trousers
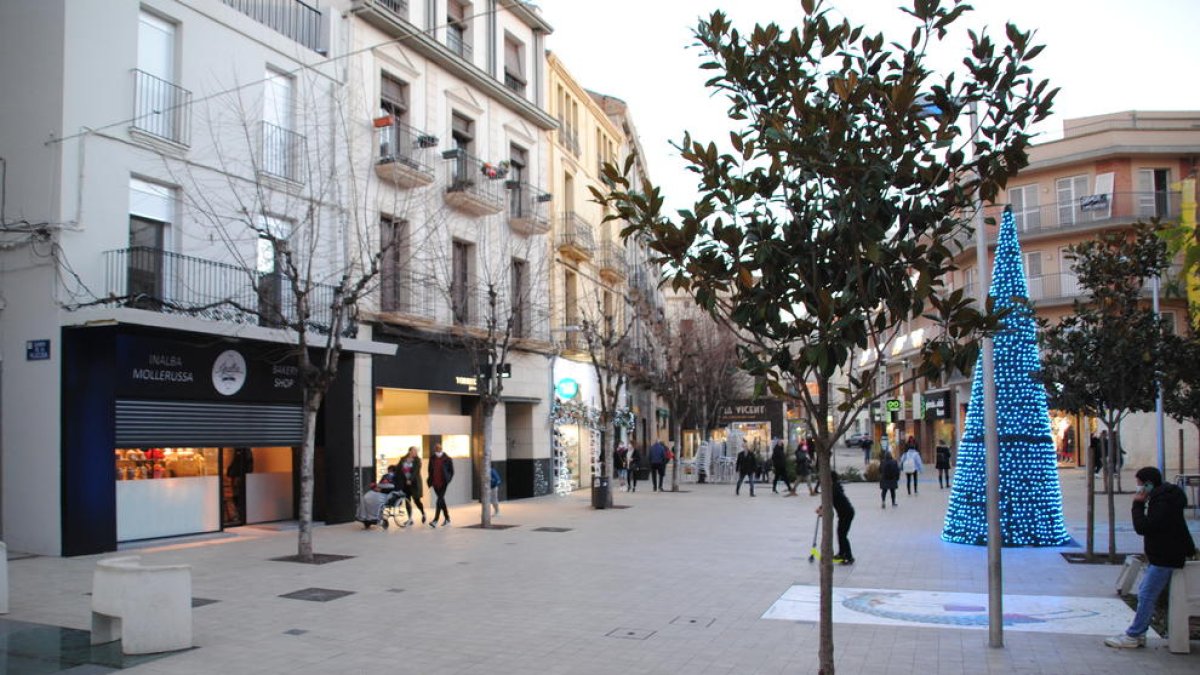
x: 883, y: 492
x: 441, y: 504
x: 632, y: 484
x: 910, y: 482
x: 657, y: 471
x: 780, y: 475
x: 742, y: 477
x: 408, y: 504
x: 843, y: 533
x: 944, y: 473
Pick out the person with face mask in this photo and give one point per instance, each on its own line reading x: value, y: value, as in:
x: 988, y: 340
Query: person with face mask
x: 1158, y: 517
x: 441, y: 472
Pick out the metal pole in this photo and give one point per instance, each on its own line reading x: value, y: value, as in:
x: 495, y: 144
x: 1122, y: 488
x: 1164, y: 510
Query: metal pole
x: 991, y: 438
x: 1159, y: 433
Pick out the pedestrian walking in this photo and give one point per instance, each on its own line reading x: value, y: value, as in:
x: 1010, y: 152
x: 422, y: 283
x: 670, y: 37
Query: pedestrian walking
x: 494, y: 491
x: 1158, y: 516
x: 845, y: 517
x: 1094, y: 449
x: 910, y: 463
x: 410, y: 482
x: 658, y: 465
x: 889, y: 479
x: 804, y: 470
x: 779, y: 466
x: 941, y: 462
x: 619, y: 459
x: 441, y: 472
x: 632, y: 464
x: 747, y: 465
x: 867, y: 444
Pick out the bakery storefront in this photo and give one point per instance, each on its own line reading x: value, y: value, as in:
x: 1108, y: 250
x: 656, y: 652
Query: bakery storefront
x: 170, y: 434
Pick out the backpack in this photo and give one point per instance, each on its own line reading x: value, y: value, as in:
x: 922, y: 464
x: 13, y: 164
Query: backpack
x: 909, y: 465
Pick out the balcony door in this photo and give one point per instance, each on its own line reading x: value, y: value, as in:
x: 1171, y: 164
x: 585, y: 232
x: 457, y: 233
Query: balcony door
x: 272, y: 283
x: 151, y: 209
x: 280, y: 156
x: 1070, y: 281
x: 157, y: 108
x: 1152, y: 195
x: 395, y: 141
x: 460, y: 282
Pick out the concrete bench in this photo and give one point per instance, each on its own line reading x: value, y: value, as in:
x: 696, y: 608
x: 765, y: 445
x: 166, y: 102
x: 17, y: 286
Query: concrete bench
x: 1184, y: 603
x: 3, y: 578
x: 1135, y: 563
x: 148, y: 608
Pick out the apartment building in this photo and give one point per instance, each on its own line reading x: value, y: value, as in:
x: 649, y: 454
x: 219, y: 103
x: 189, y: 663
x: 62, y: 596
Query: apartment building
x: 449, y: 97
x: 1106, y: 173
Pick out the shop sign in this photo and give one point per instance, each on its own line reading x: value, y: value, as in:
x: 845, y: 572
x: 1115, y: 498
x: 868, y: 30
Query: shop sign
x: 894, y: 405
x: 937, y: 405
x: 754, y: 411
x: 37, y: 350
x: 567, y: 388
x: 150, y: 367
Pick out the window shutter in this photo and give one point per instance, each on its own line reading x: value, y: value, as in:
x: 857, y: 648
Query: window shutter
x: 512, y: 59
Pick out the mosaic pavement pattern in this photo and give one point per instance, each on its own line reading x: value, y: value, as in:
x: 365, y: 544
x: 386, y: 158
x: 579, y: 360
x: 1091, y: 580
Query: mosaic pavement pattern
x: 941, y: 609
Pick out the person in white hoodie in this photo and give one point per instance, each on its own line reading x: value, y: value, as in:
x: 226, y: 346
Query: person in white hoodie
x: 910, y: 464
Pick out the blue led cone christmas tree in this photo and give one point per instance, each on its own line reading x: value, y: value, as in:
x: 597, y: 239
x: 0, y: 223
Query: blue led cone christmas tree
x: 1030, y: 495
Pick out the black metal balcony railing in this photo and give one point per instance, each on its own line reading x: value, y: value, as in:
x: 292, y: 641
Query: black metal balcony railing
x: 568, y: 136
x: 161, y: 108
x: 294, y: 19
x: 401, y: 143
x: 612, y: 259
x: 576, y: 233
x: 406, y: 292
x: 171, y: 283
x: 1065, y: 287
x: 531, y: 322
x: 527, y: 206
x: 399, y: 7
x: 456, y: 40
x: 482, y: 182
x: 282, y: 153
x: 1093, y: 211
x: 514, y: 83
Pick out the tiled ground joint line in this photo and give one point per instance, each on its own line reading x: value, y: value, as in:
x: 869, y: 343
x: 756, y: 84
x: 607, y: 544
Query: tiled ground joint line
x: 942, y: 609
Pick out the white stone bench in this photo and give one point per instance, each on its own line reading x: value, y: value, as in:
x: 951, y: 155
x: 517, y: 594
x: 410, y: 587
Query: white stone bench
x: 1135, y: 564
x: 148, y: 608
x: 3, y: 578
x: 1184, y: 603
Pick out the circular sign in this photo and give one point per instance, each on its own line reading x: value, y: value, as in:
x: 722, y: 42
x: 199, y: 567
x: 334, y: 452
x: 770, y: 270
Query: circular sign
x: 893, y: 404
x: 229, y: 372
x: 567, y: 388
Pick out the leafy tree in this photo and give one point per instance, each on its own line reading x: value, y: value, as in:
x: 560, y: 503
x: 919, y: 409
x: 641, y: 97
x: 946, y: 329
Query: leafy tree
x: 1104, y: 359
x: 840, y: 203
x: 1181, y: 389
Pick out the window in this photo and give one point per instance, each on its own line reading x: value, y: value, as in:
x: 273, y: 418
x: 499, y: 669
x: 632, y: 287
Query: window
x: 514, y: 64
x: 395, y: 140
x: 1168, y: 319
x: 273, y: 234
x: 281, y: 146
x: 151, y: 210
x: 458, y: 37
x: 606, y: 306
x: 519, y: 205
x: 570, y: 300
x: 1024, y: 201
x: 1069, y: 191
x: 1033, y: 274
x: 394, y: 286
x: 460, y: 282
x: 1152, y: 193
x: 519, y: 300
x: 462, y: 136
x: 160, y: 107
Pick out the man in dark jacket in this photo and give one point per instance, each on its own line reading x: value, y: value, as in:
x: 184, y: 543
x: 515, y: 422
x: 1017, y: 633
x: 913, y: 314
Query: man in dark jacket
x: 779, y: 468
x: 658, y: 465
x: 441, y: 472
x: 747, y: 465
x: 1158, y: 517
x: 845, y: 516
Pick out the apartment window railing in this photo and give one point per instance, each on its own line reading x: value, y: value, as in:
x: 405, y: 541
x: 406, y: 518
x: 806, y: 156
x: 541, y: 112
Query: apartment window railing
x: 456, y: 40
x: 406, y: 292
x: 531, y: 322
x: 294, y: 19
x: 569, y: 137
x: 1097, y: 209
x: 172, y: 283
x: 399, y: 7
x: 612, y: 258
x: 398, y: 142
x: 473, y: 176
x: 282, y: 152
x: 161, y: 108
x: 576, y: 232
x: 514, y: 83
x: 525, y: 202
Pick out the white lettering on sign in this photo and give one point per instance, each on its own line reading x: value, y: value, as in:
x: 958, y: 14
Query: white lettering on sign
x: 165, y: 360
x: 152, y: 375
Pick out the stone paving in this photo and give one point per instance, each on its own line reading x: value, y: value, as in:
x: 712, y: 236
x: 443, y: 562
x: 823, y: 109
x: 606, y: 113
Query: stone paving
x: 674, y: 583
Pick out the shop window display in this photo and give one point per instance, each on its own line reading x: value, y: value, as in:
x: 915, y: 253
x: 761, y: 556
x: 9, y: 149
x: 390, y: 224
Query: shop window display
x: 159, y: 463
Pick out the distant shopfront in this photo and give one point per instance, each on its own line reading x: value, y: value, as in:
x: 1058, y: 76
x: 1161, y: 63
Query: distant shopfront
x: 168, y: 434
x: 759, y: 421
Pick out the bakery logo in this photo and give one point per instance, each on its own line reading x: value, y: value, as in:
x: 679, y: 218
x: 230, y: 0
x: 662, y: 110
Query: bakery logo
x: 229, y: 373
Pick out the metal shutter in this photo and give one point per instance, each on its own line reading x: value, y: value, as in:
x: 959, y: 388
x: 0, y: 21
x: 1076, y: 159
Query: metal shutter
x: 189, y: 423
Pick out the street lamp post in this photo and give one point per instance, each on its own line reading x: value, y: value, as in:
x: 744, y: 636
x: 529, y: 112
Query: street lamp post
x: 1159, y: 433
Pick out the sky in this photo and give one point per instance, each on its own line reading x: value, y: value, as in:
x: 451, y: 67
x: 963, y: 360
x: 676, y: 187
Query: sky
x: 1105, y: 55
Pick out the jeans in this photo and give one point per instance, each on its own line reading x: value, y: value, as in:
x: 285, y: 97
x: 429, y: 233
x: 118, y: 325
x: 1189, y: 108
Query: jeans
x: 657, y: 471
x: 943, y: 474
x: 741, y: 477
x: 1154, y: 580
x: 910, y: 482
x: 440, y: 505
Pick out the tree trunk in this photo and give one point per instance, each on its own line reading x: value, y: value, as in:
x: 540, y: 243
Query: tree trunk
x: 304, y: 548
x: 485, y: 464
x: 825, y: 645
x: 1090, y: 549
x: 1109, y: 465
x: 677, y: 430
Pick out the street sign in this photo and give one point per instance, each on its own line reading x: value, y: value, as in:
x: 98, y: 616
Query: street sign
x: 37, y: 350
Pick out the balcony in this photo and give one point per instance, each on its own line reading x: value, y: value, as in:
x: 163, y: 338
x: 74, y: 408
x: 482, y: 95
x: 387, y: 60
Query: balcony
x: 527, y: 209
x: 170, y: 283
x: 1063, y: 288
x: 294, y: 19
x: 457, y: 42
x: 1097, y: 211
x: 568, y: 136
x: 398, y: 7
x: 575, y: 237
x: 403, y: 154
x: 474, y: 187
x: 161, y: 108
x: 613, y: 267
x: 282, y: 153
x: 405, y: 295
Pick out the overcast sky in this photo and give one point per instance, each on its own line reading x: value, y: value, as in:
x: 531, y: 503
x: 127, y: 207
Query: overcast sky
x: 1106, y: 55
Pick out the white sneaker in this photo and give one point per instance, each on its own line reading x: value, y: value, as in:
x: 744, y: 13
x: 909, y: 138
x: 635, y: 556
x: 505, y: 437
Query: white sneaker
x: 1124, y: 641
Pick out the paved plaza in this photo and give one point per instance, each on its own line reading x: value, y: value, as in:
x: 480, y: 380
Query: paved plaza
x: 689, y: 582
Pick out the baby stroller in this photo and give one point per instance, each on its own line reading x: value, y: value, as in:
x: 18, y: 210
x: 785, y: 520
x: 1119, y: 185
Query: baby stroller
x: 381, y: 504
